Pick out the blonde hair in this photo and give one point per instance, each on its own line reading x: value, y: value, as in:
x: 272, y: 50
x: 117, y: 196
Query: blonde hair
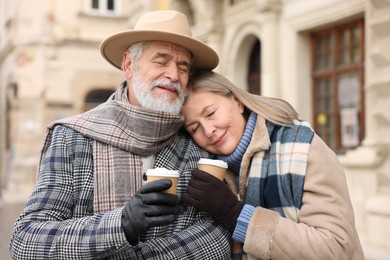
x: 275, y: 110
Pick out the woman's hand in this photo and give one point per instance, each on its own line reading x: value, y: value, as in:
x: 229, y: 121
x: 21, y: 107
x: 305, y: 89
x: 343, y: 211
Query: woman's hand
x: 208, y: 193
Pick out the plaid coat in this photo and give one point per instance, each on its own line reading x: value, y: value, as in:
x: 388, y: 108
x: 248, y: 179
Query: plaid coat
x: 58, y: 220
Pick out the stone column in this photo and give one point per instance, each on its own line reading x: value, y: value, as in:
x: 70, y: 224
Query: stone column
x: 368, y: 166
x: 2, y: 135
x: 270, y: 55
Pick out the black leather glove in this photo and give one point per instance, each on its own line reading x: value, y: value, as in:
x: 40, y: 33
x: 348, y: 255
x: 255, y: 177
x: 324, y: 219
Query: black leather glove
x: 208, y: 193
x: 149, y: 207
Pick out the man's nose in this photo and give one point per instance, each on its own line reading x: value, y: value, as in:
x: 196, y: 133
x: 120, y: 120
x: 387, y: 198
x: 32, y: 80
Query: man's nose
x: 172, y: 72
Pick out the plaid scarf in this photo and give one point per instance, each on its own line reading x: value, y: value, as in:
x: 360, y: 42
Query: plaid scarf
x: 121, y: 135
x: 273, y: 167
x: 277, y: 175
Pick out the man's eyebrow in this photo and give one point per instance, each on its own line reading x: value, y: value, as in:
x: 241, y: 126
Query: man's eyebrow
x: 168, y: 56
x: 161, y: 55
x: 185, y: 63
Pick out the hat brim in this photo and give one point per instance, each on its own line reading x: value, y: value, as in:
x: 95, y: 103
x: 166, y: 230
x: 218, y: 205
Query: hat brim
x: 113, y: 48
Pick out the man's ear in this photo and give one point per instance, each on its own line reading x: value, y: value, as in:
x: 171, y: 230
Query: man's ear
x: 126, y: 67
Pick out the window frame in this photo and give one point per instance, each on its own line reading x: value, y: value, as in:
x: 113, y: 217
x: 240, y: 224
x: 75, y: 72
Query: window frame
x: 334, y: 73
x: 102, y: 9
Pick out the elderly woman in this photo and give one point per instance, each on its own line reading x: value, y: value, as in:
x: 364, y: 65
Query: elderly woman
x: 287, y: 196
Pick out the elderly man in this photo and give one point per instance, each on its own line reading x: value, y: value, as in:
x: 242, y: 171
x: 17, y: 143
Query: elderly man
x: 90, y: 200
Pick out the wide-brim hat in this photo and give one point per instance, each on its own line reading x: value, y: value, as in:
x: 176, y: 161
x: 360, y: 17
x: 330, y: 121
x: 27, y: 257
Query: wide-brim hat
x: 168, y: 26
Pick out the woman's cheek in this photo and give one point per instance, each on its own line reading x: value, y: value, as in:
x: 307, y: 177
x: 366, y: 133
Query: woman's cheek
x: 201, y: 141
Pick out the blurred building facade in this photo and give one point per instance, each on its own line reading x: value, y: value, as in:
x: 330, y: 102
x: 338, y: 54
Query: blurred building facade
x: 329, y: 59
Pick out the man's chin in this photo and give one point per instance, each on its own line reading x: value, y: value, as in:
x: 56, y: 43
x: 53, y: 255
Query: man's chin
x: 164, y: 107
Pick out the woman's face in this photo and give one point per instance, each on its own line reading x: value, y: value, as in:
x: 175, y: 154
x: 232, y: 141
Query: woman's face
x: 215, y: 122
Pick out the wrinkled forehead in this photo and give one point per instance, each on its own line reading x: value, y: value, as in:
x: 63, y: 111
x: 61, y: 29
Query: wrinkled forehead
x: 172, y: 49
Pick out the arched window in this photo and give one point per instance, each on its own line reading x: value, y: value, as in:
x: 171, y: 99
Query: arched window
x: 96, y: 97
x: 254, y: 70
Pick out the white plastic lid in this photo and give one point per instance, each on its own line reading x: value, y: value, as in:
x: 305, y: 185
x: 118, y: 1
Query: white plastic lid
x: 218, y: 163
x: 162, y: 172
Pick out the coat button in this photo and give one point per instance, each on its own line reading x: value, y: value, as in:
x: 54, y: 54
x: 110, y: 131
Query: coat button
x: 90, y: 209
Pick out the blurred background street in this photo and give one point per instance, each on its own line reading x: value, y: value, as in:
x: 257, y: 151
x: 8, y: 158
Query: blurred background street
x: 329, y: 59
x: 8, y: 214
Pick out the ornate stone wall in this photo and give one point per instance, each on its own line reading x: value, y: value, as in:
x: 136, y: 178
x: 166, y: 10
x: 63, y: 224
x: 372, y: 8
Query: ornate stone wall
x: 368, y: 167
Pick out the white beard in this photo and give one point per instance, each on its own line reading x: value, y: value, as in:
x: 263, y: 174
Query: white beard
x: 144, y: 95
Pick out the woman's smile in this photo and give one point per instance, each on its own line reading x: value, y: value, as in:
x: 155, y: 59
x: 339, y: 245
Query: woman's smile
x: 220, y: 139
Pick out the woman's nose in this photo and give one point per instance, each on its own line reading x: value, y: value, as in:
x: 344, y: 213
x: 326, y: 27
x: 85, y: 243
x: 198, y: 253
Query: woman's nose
x: 209, y: 130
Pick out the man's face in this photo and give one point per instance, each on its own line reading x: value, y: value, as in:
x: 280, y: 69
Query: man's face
x: 159, y: 79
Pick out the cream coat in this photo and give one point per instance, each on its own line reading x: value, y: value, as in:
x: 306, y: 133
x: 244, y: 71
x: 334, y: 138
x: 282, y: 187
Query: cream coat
x: 326, y: 228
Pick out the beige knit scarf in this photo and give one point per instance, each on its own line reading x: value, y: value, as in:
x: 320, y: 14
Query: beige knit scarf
x: 121, y: 135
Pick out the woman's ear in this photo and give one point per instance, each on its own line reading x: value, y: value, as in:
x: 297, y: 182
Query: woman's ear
x: 126, y: 67
x: 240, y: 105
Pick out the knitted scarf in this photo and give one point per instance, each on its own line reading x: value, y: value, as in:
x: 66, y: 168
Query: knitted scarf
x: 235, y: 158
x: 121, y: 135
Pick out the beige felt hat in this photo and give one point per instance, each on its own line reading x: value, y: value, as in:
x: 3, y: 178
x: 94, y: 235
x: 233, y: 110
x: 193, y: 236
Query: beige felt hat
x: 169, y: 26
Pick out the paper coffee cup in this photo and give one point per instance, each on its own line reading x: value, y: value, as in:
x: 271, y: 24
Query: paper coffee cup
x: 214, y: 167
x: 163, y: 173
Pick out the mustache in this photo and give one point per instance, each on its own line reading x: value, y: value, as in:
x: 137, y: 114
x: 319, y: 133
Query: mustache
x: 165, y: 82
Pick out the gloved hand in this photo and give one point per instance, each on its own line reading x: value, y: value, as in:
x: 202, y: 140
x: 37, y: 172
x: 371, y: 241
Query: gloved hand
x: 149, y: 207
x: 208, y: 193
